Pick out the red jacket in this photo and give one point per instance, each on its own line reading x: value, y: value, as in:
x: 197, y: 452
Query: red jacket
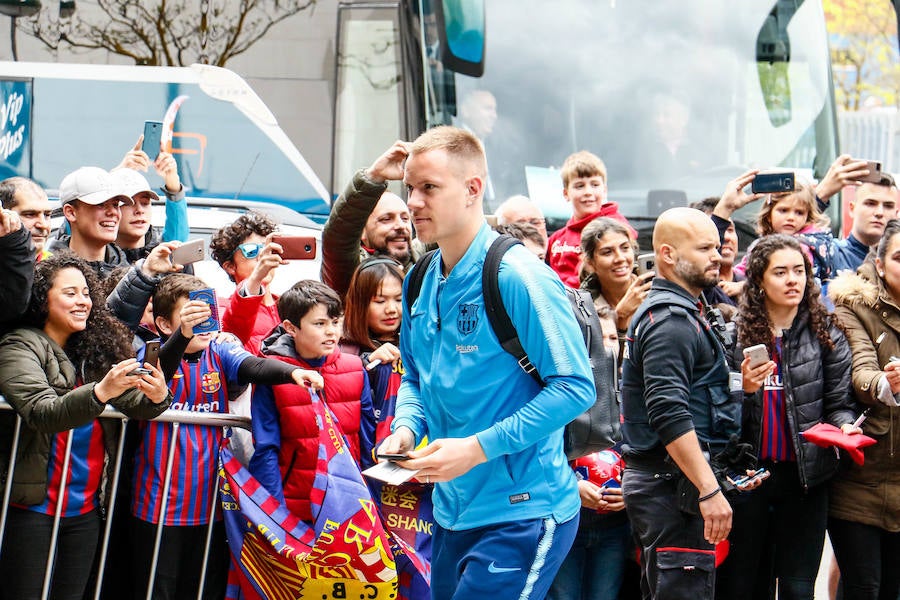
x: 249, y: 319
x: 564, y: 246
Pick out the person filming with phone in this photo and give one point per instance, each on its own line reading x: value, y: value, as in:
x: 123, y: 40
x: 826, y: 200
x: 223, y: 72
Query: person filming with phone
x: 795, y: 374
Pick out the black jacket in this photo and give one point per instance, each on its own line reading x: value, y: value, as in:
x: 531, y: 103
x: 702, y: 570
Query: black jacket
x: 17, y: 274
x: 674, y: 376
x: 816, y: 389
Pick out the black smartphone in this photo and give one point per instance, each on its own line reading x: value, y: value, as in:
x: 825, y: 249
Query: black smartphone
x: 393, y: 457
x: 152, y: 143
x: 151, y: 352
x: 151, y: 355
x: 776, y: 182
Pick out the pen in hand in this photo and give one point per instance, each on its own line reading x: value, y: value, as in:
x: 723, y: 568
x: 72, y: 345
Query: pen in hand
x: 862, y: 417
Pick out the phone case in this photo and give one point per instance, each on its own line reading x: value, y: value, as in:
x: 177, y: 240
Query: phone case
x: 758, y: 356
x: 296, y: 247
x: 207, y: 295
x: 874, y: 175
x: 151, y: 353
x: 189, y: 252
x: 152, y: 138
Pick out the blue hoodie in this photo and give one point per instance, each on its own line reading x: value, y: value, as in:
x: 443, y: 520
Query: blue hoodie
x: 460, y: 382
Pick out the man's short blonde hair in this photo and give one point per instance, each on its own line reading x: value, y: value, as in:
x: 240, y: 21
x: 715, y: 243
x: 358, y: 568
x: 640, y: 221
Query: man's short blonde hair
x: 459, y: 144
x: 582, y: 164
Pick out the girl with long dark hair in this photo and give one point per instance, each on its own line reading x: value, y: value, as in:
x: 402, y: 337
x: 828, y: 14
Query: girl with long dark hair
x: 805, y: 382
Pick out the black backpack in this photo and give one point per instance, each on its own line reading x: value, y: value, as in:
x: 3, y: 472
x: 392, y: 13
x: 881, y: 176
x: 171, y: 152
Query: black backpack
x: 598, y: 428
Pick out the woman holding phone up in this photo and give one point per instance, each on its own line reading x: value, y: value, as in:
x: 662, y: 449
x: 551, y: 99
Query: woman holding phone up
x: 805, y: 382
x: 864, y: 515
x: 59, y: 374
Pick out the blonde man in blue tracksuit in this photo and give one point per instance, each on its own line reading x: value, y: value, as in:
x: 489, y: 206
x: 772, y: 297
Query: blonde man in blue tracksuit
x: 505, y: 503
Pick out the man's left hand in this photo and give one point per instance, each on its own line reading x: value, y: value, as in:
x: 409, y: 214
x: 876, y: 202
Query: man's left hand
x: 446, y: 459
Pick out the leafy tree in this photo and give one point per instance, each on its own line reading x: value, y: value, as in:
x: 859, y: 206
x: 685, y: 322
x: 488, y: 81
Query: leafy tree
x: 162, y: 32
x: 863, y: 51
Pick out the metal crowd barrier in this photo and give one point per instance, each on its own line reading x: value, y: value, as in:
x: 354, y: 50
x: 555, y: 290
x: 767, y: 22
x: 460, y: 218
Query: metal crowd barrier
x: 177, y: 418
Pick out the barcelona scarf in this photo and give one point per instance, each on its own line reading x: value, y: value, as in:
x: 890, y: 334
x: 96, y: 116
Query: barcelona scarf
x: 345, y: 553
x: 407, y: 509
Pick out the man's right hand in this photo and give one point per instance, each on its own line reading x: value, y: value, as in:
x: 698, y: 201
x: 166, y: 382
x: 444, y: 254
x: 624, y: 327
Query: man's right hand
x: 735, y: 197
x: 716, y: 513
x: 9, y: 222
x: 135, y: 158
x: 389, y: 166
x: 269, y: 259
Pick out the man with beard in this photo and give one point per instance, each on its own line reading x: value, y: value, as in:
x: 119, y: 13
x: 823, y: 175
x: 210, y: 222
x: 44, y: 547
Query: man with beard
x: 29, y: 200
x: 677, y: 412
x: 730, y: 282
x: 367, y: 220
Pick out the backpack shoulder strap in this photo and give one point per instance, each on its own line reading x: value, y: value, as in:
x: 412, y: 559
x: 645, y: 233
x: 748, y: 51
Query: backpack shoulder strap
x: 416, y: 276
x: 495, y: 310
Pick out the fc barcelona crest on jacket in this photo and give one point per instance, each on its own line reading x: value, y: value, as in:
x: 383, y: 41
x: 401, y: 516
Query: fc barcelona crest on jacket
x: 467, y: 320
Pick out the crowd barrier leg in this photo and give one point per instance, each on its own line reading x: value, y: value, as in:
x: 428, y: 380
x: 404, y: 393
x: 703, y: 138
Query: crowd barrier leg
x: 163, y: 507
x: 114, y: 494
x: 176, y: 418
x: 54, y: 534
x: 7, y: 489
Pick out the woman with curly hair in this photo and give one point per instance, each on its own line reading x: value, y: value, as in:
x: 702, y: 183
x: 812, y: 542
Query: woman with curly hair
x: 805, y: 382
x: 864, y: 511
x: 59, y: 373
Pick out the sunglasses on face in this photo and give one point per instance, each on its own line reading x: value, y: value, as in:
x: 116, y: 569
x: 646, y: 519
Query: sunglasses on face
x: 249, y: 250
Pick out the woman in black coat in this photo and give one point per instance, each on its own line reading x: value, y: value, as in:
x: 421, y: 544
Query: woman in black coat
x: 779, y: 527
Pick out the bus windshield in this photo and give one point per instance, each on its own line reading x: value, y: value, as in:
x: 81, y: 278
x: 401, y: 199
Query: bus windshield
x: 677, y: 98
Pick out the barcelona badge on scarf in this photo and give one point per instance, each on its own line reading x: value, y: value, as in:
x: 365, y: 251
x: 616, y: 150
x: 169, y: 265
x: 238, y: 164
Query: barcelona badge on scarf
x: 345, y: 553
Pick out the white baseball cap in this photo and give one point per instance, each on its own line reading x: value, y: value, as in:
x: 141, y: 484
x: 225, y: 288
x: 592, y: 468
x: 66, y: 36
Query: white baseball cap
x: 91, y: 185
x: 132, y: 183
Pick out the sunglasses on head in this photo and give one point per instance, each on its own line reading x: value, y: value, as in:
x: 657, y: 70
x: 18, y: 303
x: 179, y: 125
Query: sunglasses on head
x: 249, y: 250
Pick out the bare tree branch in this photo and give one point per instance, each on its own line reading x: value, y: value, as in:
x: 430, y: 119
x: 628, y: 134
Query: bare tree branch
x: 162, y: 32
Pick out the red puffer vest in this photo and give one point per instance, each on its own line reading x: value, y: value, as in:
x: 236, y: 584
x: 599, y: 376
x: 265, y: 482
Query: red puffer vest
x: 343, y: 374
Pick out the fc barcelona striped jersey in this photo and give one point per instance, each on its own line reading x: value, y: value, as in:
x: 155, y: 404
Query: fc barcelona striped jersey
x: 199, y: 386
x: 83, y: 476
x: 775, y: 441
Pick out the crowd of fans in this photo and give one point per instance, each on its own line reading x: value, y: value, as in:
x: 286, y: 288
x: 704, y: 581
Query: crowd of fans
x: 82, y: 303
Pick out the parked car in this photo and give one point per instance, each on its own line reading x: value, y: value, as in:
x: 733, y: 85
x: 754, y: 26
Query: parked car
x: 206, y: 216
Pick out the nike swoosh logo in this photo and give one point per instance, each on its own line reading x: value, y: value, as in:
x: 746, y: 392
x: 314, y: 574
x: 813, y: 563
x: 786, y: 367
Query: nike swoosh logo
x: 493, y: 568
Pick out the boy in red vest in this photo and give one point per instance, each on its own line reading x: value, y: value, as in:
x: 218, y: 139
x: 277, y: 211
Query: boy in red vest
x: 284, y: 428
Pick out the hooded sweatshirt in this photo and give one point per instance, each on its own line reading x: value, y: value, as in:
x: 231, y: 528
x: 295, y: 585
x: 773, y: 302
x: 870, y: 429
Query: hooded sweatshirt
x: 564, y: 246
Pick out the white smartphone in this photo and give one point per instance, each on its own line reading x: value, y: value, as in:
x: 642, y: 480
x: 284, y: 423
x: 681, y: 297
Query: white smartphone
x: 758, y: 354
x: 646, y: 263
x: 188, y: 252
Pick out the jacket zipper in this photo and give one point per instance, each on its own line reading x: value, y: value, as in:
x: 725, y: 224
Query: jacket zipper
x: 792, y: 414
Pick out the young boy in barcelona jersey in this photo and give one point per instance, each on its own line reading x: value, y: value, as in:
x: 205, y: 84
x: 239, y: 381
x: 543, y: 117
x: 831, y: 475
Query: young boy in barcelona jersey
x: 200, y: 384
